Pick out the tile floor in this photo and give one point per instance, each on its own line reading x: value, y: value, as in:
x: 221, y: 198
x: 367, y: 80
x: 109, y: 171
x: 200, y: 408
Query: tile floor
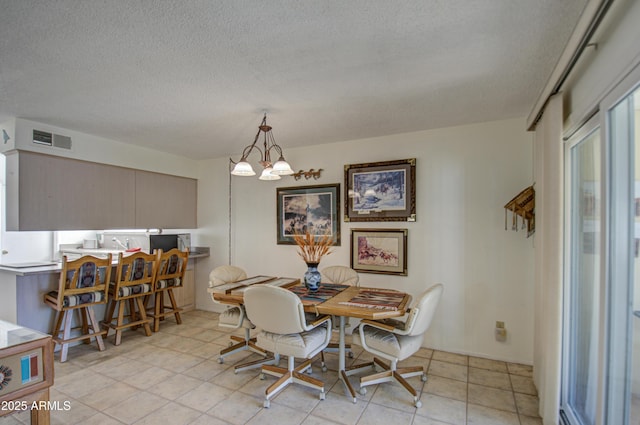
x: 173, y: 377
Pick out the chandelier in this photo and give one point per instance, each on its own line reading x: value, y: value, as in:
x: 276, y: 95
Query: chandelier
x: 271, y: 171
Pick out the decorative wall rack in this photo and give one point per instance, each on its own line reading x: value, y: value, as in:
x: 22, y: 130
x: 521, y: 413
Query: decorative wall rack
x: 523, y: 205
x: 308, y: 174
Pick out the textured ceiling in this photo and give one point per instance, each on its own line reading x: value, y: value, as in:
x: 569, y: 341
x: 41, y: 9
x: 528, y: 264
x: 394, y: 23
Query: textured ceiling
x: 193, y: 77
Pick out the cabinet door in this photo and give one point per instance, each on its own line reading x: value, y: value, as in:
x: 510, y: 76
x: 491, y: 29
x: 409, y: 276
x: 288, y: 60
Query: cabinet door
x: 56, y: 193
x: 185, y: 295
x: 164, y: 201
x: 189, y: 289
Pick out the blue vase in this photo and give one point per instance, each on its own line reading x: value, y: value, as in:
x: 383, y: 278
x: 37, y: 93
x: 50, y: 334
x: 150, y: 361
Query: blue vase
x: 312, y: 277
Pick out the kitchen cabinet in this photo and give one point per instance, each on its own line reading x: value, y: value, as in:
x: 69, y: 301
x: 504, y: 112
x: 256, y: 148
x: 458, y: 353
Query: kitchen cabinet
x: 164, y: 201
x: 47, y: 192
x: 186, y: 295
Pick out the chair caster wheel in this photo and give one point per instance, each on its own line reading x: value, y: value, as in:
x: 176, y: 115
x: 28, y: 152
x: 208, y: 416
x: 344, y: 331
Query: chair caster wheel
x: 363, y: 391
x: 266, y: 404
x: 423, y: 378
x: 418, y: 404
x: 230, y: 344
x: 220, y: 360
x: 324, y: 368
x: 350, y: 354
x: 262, y: 376
x: 322, y: 395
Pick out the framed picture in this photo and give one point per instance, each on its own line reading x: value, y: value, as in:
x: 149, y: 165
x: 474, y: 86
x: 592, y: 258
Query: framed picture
x: 380, y: 191
x: 312, y: 208
x: 379, y: 251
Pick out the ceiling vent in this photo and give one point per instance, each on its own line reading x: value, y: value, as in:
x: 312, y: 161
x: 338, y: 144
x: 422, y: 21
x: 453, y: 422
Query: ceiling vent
x: 52, y: 140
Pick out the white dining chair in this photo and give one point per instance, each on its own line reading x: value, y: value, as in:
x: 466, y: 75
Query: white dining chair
x: 395, y: 340
x: 235, y: 317
x: 280, y: 315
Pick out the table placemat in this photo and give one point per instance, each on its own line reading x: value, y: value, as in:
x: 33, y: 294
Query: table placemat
x: 325, y: 292
x: 228, y: 288
x: 374, y: 298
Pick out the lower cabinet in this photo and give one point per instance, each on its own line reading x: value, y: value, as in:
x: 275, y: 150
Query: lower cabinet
x: 186, y: 295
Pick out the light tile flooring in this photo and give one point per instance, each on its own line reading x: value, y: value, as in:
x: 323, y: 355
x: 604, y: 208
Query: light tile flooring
x: 173, y: 377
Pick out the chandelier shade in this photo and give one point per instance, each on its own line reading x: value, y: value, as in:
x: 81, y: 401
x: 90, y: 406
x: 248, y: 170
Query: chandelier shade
x: 268, y: 174
x: 282, y: 168
x: 243, y: 168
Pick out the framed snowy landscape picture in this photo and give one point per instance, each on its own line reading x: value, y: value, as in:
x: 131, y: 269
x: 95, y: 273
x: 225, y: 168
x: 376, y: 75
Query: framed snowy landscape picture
x: 380, y: 191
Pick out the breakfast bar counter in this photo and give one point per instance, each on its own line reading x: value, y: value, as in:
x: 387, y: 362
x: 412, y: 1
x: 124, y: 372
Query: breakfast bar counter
x: 23, y: 285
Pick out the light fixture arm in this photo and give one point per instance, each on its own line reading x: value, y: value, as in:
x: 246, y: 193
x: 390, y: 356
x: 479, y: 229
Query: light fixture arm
x: 247, y: 150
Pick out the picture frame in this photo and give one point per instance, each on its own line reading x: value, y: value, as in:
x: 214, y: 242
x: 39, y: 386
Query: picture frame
x: 314, y: 207
x: 382, y: 251
x: 380, y: 191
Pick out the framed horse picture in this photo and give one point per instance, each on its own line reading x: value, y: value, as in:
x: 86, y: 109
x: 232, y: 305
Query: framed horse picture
x: 379, y: 251
x: 315, y: 209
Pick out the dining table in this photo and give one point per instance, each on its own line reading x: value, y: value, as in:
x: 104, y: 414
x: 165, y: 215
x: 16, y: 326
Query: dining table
x: 337, y: 300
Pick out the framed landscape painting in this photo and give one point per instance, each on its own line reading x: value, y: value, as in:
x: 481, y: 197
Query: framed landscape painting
x: 380, y: 191
x: 379, y: 251
x: 308, y: 208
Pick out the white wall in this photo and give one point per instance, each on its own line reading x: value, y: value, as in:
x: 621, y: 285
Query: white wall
x: 465, y: 175
x: 105, y: 151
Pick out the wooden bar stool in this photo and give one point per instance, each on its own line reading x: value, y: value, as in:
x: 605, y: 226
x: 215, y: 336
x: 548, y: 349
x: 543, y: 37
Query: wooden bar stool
x: 170, y: 275
x: 83, y: 284
x: 134, y: 279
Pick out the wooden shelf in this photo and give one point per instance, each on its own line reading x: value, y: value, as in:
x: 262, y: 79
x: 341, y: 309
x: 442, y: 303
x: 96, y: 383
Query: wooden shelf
x: 522, y: 205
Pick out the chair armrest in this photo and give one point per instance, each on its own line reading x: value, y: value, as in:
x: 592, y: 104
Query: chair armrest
x: 319, y: 321
x: 378, y: 325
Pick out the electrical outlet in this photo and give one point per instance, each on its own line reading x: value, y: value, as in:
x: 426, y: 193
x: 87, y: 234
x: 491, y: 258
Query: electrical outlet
x: 501, y: 332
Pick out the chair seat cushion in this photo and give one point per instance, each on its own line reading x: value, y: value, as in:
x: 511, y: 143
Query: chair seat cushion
x: 126, y: 291
x: 301, y: 345
x: 79, y: 299
x: 392, y: 345
x: 168, y: 283
x: 230, y: 318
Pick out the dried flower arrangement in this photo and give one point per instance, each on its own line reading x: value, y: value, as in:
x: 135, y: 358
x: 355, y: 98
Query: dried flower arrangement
x: 312, y: 249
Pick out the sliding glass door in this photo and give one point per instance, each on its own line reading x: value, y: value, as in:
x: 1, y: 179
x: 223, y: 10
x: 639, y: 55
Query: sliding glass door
x: 582, y: 293
x: 623, y: 365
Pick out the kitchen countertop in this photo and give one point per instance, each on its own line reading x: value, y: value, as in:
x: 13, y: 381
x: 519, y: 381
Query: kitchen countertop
x: 40, y: 267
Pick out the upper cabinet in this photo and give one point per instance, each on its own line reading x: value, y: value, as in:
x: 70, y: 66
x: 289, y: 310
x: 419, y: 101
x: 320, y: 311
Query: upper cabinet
x: 164, y: 201
x: 46, y: 192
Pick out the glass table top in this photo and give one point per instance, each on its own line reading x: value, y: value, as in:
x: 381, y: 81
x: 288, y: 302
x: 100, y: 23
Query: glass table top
x: 12, y: 335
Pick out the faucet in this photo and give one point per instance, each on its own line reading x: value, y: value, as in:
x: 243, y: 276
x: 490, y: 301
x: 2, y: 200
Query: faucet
x: 123, y: 245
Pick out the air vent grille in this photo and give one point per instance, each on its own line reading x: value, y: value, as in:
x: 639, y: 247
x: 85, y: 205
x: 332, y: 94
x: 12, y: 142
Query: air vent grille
x: 52, y: 140
x: 42, y: 138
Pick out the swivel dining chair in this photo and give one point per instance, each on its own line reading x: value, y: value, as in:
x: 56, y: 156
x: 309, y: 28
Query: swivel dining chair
x: 345, y: 276
x: 395, y: 341
x: 340, y: 274
x: 83, y: 283
x: 170, y: 276
x: 235, y: 317
x: 134, y: 280
x: 284, y: 331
